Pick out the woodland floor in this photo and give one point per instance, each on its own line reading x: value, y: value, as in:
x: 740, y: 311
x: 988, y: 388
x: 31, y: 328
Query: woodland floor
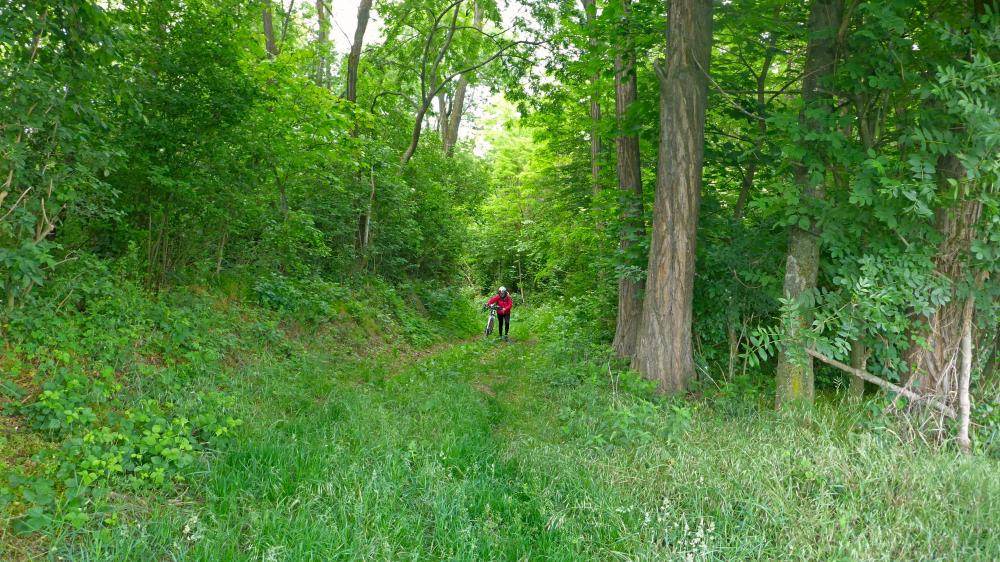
x: 489, y: 451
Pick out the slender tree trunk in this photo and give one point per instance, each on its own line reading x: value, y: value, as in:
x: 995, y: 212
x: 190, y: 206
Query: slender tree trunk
x: 746, y: 186
x: 418, y: 125
x: 630, y: 186
x: 322, y: 44
x: 269, y: 43
x: 353, y: 61
x: 795, y: 368
x: 366, y: 231
x: 427, y: 94
x: 453, y: 119
x: 221, y: 252
x: 965, y: 377
x: 443, y: 114
x: 590, y: 10
x: 458, y: 101
x: 748, y: 175
x: 664, y: 346
x: 354, y: 58
x: 859, y: 360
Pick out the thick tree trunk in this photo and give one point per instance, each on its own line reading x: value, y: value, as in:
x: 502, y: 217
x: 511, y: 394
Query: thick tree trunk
x: 934, y: 365
x: 590, y: 10
x: 664, y: 346
x: 354, y: 58
x: 269, y: 42
x: 795, y: 368
x: 630, y: 186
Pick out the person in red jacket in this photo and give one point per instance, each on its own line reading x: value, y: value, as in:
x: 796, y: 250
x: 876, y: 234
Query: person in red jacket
x: 504, y: 304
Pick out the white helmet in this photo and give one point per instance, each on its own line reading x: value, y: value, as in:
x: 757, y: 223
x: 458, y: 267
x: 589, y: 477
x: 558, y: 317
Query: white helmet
x: 502, y: 290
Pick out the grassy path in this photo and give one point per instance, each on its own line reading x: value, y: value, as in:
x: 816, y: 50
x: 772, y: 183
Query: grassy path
x: 485, y: 451
x: 342, y: 459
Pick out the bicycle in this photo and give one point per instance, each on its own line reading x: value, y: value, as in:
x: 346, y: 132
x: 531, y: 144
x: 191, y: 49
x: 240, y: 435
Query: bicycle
x: 492, y: 320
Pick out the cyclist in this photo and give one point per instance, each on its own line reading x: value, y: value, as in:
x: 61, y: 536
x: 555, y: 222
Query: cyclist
x: 504, y: 304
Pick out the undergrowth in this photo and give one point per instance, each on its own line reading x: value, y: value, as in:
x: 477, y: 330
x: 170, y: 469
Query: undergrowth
x: 117, y: 392
x: 546, y: 448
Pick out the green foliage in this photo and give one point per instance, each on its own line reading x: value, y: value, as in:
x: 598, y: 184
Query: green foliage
x: 495, y: 449
x: 207, y: 254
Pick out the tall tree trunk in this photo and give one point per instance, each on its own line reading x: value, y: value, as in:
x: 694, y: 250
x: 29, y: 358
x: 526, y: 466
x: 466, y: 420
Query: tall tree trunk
x: 933, y: 365
x: 458, y: 101
x: 630, y: 186
x: 269, y: 42
x: 354, y: 58
x: 322, y: 44
x: 664, y: 346
x: 590, y: 10
x: 795, y: 368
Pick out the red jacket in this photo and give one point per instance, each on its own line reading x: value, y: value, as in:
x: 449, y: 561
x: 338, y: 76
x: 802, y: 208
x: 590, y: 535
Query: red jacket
x: 503, y: 304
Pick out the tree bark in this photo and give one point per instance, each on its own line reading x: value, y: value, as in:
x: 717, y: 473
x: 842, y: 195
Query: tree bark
x: 664, y: 346
x: 630, y: 186
x: 859, y: 361
x: 269, y: 42
x: 590, y: 11
x: 942, y: 330
x: 965, y: 377
x: 453, y: 117
x: 354, y: 58
x: 794, y: 376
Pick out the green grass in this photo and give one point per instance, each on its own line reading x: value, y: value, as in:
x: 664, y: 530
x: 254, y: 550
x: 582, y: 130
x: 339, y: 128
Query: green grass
x: 525, y: 451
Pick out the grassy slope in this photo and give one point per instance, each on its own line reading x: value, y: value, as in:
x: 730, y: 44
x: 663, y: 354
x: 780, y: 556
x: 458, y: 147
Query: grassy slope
x: 474, y: 453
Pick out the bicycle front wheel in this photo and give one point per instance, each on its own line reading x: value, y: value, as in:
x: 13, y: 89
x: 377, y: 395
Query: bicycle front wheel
x: 489, y: 326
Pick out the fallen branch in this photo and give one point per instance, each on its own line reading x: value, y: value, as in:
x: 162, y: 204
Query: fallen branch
x: 943, y: 408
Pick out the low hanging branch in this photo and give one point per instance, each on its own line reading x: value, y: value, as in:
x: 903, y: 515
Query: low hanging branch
x: 940, y: 406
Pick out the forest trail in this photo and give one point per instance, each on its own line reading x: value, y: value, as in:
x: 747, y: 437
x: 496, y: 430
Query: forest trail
x: 482, y: 450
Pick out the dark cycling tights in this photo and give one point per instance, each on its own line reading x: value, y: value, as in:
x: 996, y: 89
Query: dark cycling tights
x: 504, y: 323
